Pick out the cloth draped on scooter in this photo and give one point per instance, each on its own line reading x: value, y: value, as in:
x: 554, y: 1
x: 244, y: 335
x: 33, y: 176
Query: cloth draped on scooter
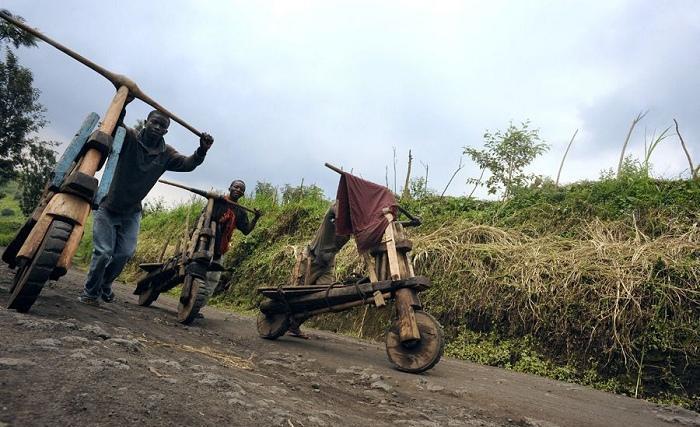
x: 361, y: 209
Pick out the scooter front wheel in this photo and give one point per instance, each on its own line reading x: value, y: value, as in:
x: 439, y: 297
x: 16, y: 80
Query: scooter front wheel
x: 188, y: 308
x: 31, y: 277
x: 419, y: 356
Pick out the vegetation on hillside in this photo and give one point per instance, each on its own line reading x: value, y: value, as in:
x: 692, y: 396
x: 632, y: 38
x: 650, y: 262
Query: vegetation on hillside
x: 11, y: 217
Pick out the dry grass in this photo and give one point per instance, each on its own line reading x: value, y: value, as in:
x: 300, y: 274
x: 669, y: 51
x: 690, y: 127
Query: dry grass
x: 597, y: 293
x: 225, y: 359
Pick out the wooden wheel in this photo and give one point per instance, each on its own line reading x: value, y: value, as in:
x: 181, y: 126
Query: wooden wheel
x: 149, y: 296
x: 187, y: 310
x: 30, y: 279
x: 416, y: 356
x: 272, y: 326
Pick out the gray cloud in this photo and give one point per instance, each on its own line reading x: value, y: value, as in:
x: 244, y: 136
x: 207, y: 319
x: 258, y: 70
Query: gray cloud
x: 285, y: 86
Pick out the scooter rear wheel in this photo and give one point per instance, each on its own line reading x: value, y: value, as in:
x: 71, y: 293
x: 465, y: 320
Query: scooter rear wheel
x: 416, y: 357
x: 30, y: 278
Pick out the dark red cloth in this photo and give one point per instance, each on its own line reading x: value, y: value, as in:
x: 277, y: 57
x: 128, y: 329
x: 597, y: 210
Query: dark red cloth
x: 361, y: 206
x: 227, y: 222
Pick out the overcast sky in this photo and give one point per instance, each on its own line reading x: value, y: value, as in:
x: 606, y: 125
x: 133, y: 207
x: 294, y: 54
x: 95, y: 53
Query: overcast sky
x: 284, y: 86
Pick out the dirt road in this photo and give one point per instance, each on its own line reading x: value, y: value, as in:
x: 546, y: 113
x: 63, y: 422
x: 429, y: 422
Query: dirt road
x: 65, y: 363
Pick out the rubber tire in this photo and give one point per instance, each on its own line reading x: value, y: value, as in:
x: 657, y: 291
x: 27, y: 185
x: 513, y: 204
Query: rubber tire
x: 186, y: 313
x: 30, y: 280
x: 271, y: 327
x: 148, y: 297
x: 422, y: 355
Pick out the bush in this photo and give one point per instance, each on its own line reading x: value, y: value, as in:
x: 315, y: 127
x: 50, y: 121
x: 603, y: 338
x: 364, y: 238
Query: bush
x: 7, y: 212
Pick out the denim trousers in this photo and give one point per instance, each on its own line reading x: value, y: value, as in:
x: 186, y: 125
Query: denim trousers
x: 114, y: 238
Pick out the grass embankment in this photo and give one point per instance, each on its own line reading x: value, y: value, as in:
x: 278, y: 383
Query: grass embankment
x: 594, y: 283
x: 11, y: 217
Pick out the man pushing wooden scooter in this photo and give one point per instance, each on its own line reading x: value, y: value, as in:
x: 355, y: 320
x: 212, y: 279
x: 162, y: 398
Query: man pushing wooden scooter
x: 369, y: 212
x: 197, y: 261
x: 44, y: 247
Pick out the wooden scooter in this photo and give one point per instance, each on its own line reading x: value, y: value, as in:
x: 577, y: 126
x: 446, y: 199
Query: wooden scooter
x: 414, y: 341
x: 194, y: 257
x: 44, y: 246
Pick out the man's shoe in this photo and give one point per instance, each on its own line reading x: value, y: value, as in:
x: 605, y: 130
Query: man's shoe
x: 108, y: 298
x: 295, y: 331
x: 89, y: 301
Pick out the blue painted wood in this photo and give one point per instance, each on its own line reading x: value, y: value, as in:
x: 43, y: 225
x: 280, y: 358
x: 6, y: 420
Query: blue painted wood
x: 111, y: 166
x: 73, y: 149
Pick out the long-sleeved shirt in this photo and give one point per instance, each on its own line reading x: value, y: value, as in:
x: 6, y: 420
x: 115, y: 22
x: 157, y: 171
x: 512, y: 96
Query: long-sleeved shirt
x: 139, y: 168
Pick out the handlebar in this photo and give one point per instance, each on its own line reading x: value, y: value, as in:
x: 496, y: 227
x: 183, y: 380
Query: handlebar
x: 207, y: 194
x: 118, y: 80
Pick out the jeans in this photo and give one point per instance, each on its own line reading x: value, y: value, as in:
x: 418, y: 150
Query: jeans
x: 114, y: 238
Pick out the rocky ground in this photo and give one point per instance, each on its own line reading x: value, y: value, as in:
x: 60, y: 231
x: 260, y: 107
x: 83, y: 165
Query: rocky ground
x: 65, y: 363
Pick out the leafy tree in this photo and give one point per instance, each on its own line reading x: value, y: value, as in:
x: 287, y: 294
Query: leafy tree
x: 265, y: 191
x: 292, y: 193
x: 505, y: 155
x: 22, y: 157
x: 34, y: 171
x: 10, y: 33
x: 153, y: 206
x: 418, y: 188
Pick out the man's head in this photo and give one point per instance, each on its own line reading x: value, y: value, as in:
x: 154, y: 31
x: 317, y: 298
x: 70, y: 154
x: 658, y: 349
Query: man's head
x: 236, y: 190
x: 156, y: 125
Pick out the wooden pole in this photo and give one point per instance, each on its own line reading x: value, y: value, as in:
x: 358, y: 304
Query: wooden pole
x: 91, y: 160
x: 408, y: 330
x: 207, y: 194
x: 334, y: 168
x: 117, y: 80
x: 338, y: 307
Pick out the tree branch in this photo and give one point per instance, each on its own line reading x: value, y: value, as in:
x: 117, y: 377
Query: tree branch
x: 459, y: 168
x: 693, y: 171
x: 394, y: 150
x: 406, y: 192
x: 561, y: 165
x: 477, y: 183
x: 639, y: 117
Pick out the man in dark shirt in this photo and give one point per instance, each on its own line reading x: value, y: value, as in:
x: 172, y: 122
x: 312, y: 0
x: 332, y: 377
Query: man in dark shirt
x: 143, y: 159
x: 228, y: 219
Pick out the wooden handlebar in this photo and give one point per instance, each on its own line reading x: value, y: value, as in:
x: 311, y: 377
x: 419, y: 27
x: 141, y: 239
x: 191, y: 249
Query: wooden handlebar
x: 207, y: 194
x: 117, y: 80
x: 334, y: 168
